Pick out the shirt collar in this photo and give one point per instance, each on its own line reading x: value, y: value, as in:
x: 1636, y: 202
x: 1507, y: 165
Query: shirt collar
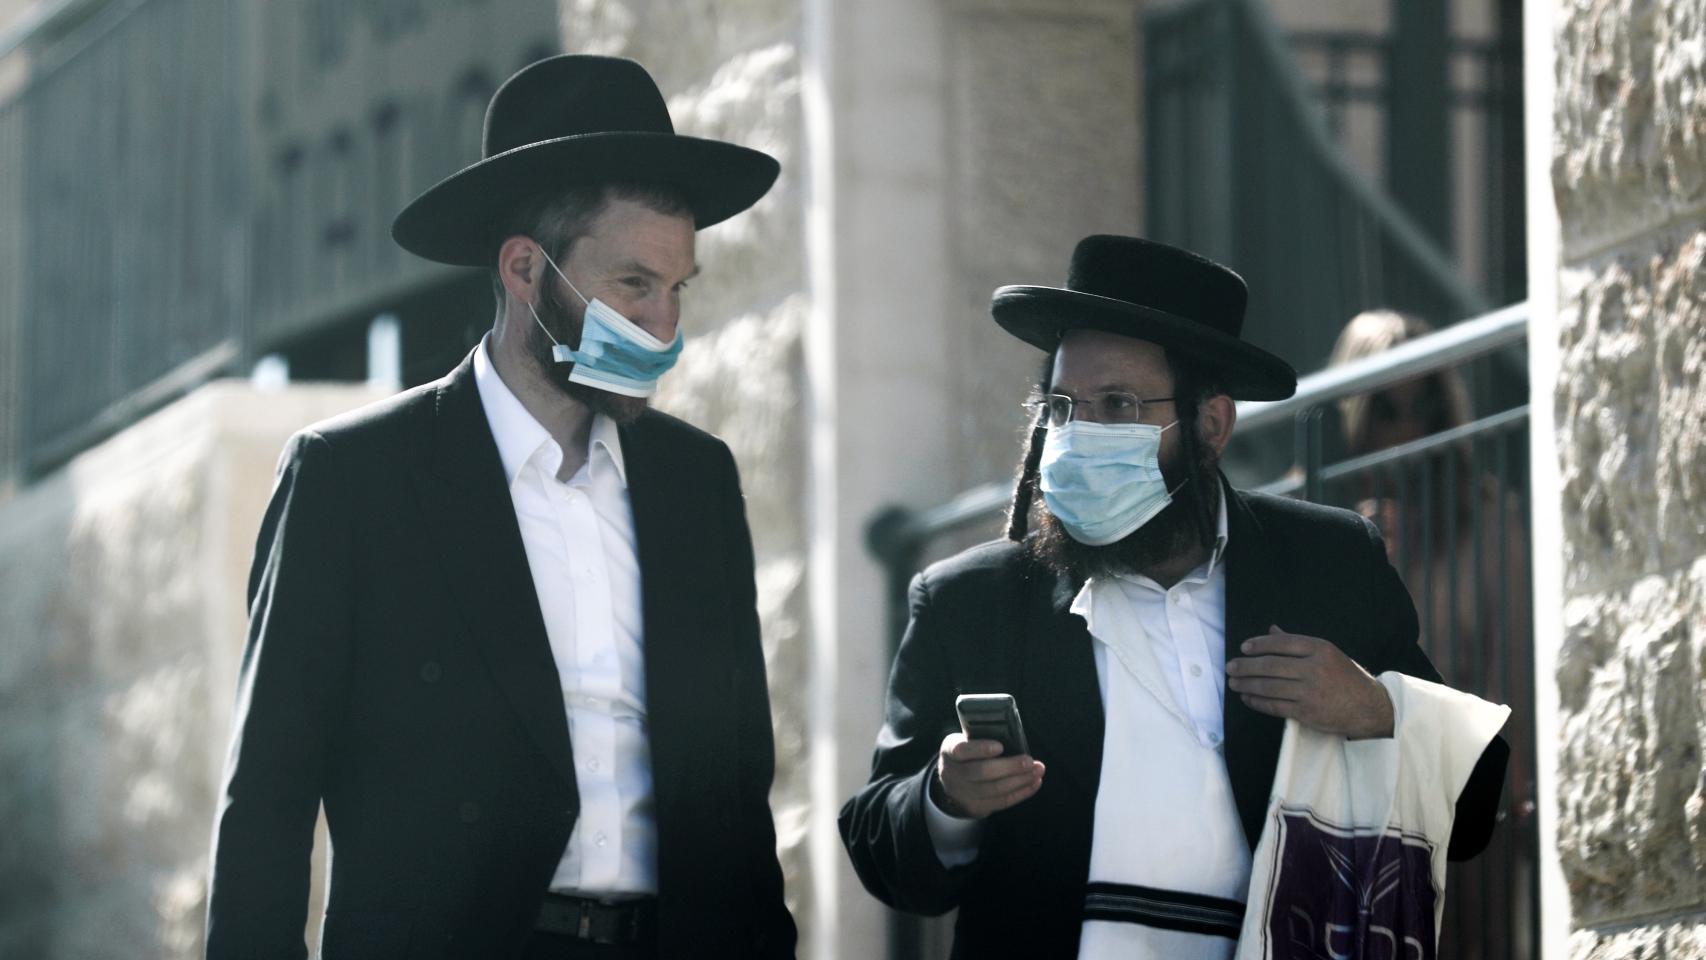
x: 519, y: 436
x: 1083, y: 605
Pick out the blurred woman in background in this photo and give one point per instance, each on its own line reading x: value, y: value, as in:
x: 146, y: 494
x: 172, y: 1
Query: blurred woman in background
x: 1459, y: 540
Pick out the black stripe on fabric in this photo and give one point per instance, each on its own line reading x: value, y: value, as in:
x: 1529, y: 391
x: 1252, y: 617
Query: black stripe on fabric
x: 1164, y: 909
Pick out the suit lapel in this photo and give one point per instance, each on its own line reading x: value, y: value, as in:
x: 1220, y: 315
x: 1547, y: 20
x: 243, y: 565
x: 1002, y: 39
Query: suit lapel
x: 675, y: 603
x: 470, y: 515
x: 1059, y: 700
x: 1252, y: 738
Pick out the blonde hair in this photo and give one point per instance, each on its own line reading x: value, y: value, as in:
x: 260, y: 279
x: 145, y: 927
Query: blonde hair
x: 1376, y: 331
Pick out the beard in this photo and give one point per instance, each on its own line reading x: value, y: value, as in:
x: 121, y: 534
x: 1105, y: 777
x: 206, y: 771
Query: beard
x: 1177, y: 529
x: 566, y: 324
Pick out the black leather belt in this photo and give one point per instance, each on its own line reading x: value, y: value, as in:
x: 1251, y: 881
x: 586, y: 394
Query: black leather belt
x: 626, y: 921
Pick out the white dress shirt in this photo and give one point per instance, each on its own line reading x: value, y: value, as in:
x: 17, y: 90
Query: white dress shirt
x: 579, y: 538
x: 1182, y: 627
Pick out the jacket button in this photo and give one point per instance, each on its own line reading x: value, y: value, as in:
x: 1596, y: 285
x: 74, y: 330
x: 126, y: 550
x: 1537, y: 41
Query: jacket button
x: 468, y: 812
x: 431, y: 671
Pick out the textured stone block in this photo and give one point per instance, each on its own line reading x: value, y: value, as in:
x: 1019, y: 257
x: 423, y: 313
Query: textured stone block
x: 1630, y: 759
x: 743, y: 383
x: 756, y: 258
x: 1629, y: 140
x: 1683, y: 939
x: 1631, y: 413
x: 679, y: 41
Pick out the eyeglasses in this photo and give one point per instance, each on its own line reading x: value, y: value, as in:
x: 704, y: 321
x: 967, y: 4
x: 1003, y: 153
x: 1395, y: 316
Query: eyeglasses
x: 1111, y: 407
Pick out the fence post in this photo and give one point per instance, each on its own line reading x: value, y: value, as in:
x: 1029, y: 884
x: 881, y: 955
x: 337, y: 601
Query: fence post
x: 890, y: 538
x: 1309, y: 452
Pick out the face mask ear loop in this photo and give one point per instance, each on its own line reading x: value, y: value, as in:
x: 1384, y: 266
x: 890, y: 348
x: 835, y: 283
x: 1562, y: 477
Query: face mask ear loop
x: 560, y: 273
x: 542, y: 325
x: 547, y: 258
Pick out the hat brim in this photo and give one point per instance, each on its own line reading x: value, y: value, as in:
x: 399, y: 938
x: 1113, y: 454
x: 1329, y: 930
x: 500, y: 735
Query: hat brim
x: 458, y: 219
x: 1040, y: 315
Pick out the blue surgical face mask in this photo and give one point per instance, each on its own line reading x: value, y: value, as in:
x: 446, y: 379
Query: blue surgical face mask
x: 615, y: 354
x: 1103, y: 480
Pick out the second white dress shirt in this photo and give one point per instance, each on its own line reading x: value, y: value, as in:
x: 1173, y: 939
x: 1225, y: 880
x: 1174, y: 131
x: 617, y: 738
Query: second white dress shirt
x: 579, y: 538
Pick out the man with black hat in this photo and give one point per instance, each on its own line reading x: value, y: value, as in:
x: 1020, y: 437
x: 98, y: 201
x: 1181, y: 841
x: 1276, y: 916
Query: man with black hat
x: 503, y: 625
x: 1154, y: 631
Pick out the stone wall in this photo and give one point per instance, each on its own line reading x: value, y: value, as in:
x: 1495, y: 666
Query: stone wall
x: 121, y: 612
x: 1629, y: 172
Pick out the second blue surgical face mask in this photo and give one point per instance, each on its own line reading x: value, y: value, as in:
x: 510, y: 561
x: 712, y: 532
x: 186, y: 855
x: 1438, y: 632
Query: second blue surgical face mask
x: 615, y: 354
x: 1103, y: 480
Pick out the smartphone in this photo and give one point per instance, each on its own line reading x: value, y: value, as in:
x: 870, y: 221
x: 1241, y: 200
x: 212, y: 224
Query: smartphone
x: 992, y: 716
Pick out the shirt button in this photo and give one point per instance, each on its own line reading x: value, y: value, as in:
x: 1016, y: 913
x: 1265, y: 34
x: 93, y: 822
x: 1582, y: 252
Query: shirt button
x: 1176, y: 597
x: 431, y: 671
x: 1214, y: 738
x: 469, y: 812
x: 592, y: 764
x: 601, y: 839
x: 1196, y: 671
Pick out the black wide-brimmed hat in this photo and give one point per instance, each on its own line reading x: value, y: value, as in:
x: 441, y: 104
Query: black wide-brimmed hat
x: 1150, y: 291
x: 572, y: 120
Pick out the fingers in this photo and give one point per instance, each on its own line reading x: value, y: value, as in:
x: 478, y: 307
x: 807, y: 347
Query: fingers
x: 1270, y: 706
x: 1021, y: 792
x: 1279, y: 643
x: 979, y: 781
x: 964, y: 751
x: 1291, y: 668
x: 1269, y: 688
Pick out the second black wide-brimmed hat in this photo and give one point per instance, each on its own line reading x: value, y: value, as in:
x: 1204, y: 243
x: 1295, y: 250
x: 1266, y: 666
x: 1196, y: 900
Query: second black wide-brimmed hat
x: 570, y: 120
x: 1150, y: 291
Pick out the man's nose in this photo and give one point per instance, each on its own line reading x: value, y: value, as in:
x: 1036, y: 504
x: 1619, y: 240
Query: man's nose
x: 660, y: 318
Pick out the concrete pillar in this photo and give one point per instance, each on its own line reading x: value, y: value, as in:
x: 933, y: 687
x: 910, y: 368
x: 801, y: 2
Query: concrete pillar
x: 952, y: 146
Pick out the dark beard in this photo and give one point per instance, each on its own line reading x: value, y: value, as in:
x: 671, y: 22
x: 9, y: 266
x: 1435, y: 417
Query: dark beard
x: 1177, y: 529
x: 566, y: 325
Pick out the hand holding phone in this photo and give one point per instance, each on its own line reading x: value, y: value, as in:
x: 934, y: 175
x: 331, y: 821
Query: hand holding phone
x: 986, y: 766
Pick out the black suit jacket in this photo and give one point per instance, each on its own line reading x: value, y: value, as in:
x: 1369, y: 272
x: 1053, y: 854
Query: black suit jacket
x: 990, y: 619
x: 398, y: 671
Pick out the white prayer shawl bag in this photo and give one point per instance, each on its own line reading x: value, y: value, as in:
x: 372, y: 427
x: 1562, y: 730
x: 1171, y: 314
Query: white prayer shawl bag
x: 1351, y: 862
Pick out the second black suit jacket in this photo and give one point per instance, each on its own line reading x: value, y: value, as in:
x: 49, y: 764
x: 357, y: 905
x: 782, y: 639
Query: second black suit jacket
x: 991, y: 619
x: 398, y: 671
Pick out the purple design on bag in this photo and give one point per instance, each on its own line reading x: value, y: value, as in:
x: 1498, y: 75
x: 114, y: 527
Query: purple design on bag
x: 1340, y: 893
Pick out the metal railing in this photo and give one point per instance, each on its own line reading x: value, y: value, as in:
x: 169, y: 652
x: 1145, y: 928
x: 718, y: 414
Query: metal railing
x: 1240, y: 166
x: 1351, y: 77
x: 189, y: 184
x: 126, y: 216
x: 1453, y: 506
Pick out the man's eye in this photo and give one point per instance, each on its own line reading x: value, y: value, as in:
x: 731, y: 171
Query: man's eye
x: 1119, y: 401
x: 634, y: 283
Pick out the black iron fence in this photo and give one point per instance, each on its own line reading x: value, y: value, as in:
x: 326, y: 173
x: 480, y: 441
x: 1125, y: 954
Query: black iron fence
x: 188, y: 184
x: 1241, y: 166
x: 123, y: 202
x: 1453, y: 505
x: 1350, y: 76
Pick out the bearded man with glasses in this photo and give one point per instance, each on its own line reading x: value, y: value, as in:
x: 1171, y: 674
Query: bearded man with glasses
x: 1156, y: 630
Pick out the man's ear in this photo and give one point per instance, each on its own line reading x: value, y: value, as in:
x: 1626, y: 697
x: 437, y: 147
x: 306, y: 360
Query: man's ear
x: 1215, y: 417
x: 520, y: 266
